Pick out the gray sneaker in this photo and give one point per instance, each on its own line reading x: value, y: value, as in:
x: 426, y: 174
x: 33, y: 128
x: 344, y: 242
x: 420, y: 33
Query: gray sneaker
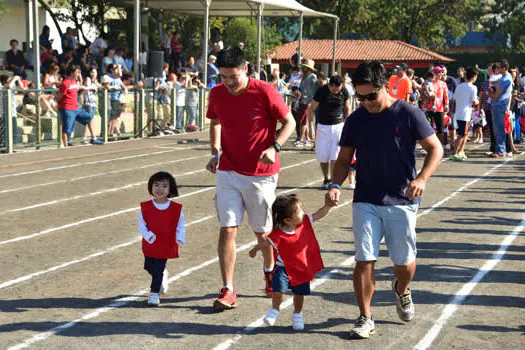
x: 404, y: 305
x: 364, y: 327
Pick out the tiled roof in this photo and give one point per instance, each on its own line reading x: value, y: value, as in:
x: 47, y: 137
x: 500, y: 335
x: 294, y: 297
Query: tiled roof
x: 360, y: 50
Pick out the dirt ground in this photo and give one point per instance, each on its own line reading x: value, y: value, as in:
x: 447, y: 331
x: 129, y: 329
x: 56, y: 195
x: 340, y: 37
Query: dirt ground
x: 71, y: 272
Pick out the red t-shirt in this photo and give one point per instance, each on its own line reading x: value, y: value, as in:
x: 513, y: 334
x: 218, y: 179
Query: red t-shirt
x: 248, y: 123
x: 69, y: 91
x: 175, y: 45
x: 441, y: 92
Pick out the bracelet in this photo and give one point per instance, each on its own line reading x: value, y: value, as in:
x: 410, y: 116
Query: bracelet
x: 215, y: 156
x: 310, y: 128
x: 335, y: 186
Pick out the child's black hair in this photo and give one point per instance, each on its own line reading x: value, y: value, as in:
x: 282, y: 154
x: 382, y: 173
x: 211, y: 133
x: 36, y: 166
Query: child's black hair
x: 283, y: 208
x: 161, y: 176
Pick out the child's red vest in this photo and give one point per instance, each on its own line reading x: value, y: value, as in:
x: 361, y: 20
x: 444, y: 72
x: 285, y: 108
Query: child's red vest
x: 163, y: 223
x: 300, y: 252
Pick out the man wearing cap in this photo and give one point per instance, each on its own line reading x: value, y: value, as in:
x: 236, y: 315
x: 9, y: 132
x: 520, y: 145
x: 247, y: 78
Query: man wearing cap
x: 213, y: 72
x: 308, y: 87
x: 400, y: 86
x: 438, y: 103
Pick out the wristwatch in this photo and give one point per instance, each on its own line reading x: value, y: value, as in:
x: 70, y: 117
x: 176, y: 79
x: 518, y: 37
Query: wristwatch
x: 277, y: 146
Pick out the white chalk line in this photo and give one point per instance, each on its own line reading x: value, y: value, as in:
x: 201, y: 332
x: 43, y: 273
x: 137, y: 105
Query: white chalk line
x: 91, y: 194
x: 450, y: 309
x: 98, y: 174
x: 92, y: 162
x: 106, y: 251
x: 125, y: 300
x: 124, y: 211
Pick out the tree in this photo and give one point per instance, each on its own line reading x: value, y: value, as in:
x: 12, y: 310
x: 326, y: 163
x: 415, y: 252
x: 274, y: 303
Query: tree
x: 245, y: 30
x: 507, y: 17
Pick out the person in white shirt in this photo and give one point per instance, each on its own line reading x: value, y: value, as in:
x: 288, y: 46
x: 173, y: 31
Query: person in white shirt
x: 182, y: 83
x: 466, y: 96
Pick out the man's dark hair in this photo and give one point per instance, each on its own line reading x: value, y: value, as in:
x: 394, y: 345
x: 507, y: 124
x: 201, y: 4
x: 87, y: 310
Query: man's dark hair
x: 370, y: 72
x: 430, y: 75
x: 321, y: 75
x: 494, y: 66
x: 231, y: 57
x: 336, y: 80
x: 470, y: 73
x: 13, y: 41
x: 503, y: 63
x: 161, y: 176
x: 72, y: 68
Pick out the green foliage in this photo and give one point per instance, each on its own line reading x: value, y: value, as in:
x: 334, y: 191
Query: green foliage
x: 507, y: 17
x: 245, y: 30
x: 2, y: 8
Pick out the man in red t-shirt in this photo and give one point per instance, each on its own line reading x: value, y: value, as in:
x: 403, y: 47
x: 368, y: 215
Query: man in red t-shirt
x: 68, y: 107
x: 176, y: 49
x: 244, y: 114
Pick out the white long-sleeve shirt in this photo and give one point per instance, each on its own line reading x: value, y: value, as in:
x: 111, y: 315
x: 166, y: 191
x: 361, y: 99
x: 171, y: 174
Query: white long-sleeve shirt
x: 181, y: 226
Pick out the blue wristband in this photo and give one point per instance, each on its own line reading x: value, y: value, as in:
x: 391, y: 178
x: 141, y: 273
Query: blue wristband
x: 215, y: 156
x: 335, y: 186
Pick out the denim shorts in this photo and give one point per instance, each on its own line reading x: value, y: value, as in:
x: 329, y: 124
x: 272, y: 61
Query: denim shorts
x: 396, y: 223
x: 70, y: 116
x: 281, y: 283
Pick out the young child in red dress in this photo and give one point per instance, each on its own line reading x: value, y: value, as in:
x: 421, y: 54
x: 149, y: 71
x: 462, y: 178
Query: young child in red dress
x: 298, y: 255
x: 163, y: 228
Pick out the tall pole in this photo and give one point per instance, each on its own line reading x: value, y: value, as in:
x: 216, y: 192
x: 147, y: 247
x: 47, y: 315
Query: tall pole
x: 300, y: 39
x: 206, y: 39
x: 136, y: 40
x: 336, y: 26
x: 259, y: 25
x: 36, y: 68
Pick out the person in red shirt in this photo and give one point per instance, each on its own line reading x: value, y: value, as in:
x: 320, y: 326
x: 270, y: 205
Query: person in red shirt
x: 68, y: 107
x: 163, y: 228
x: 176, y: 49
x: 244, y: 114
x: 299, y: 255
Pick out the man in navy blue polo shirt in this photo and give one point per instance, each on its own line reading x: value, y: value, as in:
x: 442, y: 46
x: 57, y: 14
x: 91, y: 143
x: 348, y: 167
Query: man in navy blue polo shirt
x: 383, y: 132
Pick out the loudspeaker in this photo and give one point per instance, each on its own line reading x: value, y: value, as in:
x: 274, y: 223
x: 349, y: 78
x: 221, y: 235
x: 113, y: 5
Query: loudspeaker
x: 155, y: 63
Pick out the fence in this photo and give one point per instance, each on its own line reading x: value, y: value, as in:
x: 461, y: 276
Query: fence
x: 30, y: 118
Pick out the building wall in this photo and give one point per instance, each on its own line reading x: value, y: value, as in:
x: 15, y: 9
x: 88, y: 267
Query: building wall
x: 13, y: 24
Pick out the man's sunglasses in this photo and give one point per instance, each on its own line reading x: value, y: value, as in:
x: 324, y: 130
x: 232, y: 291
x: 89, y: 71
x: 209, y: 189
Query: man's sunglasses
x: 370, y: 97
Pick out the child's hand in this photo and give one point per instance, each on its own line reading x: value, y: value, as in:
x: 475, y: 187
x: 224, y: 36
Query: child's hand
x: 253, y: 252
x: 150, y: 239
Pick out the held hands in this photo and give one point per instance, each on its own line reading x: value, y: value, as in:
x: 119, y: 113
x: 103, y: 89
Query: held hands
x: 415, y: 189
x: 268, y: 156
x: 212, y: 165
x: 332, y: 197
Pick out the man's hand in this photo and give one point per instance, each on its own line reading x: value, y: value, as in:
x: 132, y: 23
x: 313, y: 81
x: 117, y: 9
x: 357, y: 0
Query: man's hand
x: 415, y: 189
x: 332, y: 197
x: 268, y: 156
x: 212, y: 165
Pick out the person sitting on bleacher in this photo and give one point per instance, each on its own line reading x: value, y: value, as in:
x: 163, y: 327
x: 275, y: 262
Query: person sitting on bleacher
x: 15, y: 60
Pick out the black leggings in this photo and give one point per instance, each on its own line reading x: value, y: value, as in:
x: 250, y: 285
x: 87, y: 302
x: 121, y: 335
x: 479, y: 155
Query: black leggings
x: 438, y: 118
x: 155, y: 267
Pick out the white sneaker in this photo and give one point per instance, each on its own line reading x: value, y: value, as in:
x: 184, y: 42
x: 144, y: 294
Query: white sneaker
x: 299, y: 144
x: 297, y: 321
x: 351, y: 186
x: 164, y: 288
x: 364, y: 327
x: 271, y: 317
x: 154, y: 299
x: 404, y: 305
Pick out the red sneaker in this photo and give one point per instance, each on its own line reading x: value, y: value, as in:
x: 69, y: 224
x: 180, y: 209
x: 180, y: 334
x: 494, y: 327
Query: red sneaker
x: 226, y: 300
x: 268, y: 276
x: 497, y: 155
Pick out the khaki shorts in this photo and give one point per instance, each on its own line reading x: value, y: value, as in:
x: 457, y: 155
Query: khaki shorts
x: 237, y: 193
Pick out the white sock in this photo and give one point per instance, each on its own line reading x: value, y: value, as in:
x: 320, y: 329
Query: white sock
x: 229, y: 288
x: 268, y: 270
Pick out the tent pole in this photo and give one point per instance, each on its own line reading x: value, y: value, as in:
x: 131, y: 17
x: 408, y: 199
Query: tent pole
x: 259, y: 25
x: 136, y: 40
x: 206, y: 38
x: 300, y: 46
x: 336, y: 25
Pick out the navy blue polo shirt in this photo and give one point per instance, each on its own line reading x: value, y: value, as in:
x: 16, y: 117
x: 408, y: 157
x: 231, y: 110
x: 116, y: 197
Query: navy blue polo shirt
x: 386, y: 151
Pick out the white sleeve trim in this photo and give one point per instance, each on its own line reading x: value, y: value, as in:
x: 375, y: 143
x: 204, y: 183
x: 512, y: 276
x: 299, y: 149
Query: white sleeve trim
x: 143, y: 227
x: 181, y: 230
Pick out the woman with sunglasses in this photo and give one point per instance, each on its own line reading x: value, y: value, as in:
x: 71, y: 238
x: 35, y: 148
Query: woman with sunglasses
x: 383, y: 132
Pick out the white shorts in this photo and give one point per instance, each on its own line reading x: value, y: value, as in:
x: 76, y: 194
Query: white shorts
x: 236, y: 193
x: 327, y: 142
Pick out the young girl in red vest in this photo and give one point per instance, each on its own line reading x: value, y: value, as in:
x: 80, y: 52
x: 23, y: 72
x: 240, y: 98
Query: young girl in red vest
x: 163, y: 228
x: 298, y: 255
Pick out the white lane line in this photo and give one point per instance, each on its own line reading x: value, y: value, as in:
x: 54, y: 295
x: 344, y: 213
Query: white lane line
x: 92, y: 162
x: 91, y: 194
x: 110, y: 249
x: 140, y: 294
x: 99, y: 174
x: 96, y: 218
x: 463, y: 293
